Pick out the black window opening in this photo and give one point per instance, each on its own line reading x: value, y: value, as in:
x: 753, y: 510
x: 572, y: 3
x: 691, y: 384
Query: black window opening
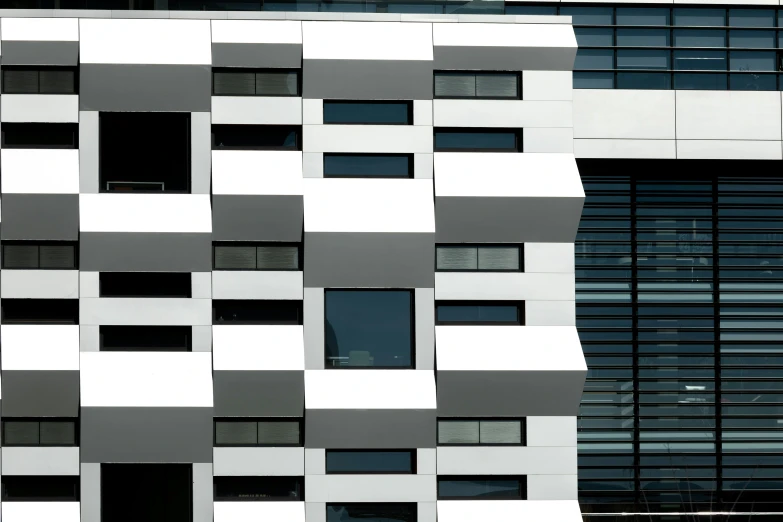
x: 387, y: 462
x: 40, y: 135
x: 368, y: 165
x: 481, y: 432
x: 477, y: 85
x: 238, y: 489
x: 146, y: 492
x: 35, y: 255
x: 478, y: 140
x: 247, y: 311
x: 48, y: 488
x: 257, y: 256
x: 479, y: 258
x: 369, y: 329
x: 480, y: 313
x: 387, y: 512
x: 40, y: 311
x: 39, y: 432
x: 144, y: 152
x: 492, y: 487
x: 145, y: 284
x: 368, y: 112
x: 248, y: 432
x: 256, y: 137
x: 146, y: 338
x: 255, y: 82
x: 40, y: 80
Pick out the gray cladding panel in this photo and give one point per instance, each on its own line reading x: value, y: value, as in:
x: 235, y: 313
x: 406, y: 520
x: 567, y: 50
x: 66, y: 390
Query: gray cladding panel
x: 40, y: 53
x: 172, y: 88
x: 257, y: 218
x: 368, y: 429
x: 146, y: 435
x: 259, y: 393
x: 145, y: 252
x: 505, y: 58
x: 51, y: 393
x: 367, y: 79
x: 273, y: 56
x: 40, y: 216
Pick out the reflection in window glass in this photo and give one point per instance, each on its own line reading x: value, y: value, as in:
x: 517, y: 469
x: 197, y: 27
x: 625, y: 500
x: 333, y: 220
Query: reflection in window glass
x: 752, y: 82
x: 478, y: 314
x: 594, y: 36
x: 699, y: 61
x: 531, y: 10
x: 370, y: 461
x: 594, y: 59
x: 593, y: 80
x: 752, y: 60
x: 589, y: 15
x: 699, y: 38
x: 477, y: 140
x: 752, y: 39
x: 643, y: 37
x: 699, y: 17
x: 642, y: 59
x: 752, y: 17
x: 639, y: 80
x: 371, y: 512
x: 495, y: 487
x: 642, y: 16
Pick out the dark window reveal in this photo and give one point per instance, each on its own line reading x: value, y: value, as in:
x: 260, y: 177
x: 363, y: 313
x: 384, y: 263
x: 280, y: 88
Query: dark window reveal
x: 239, y: 311
x: 480, y: 312
x: 146, y: 338
x: 255, y: 82
x: 368, y: 165
x: 31, y: 255
x: 485, y: 432
x: 145, y: 284
x: 40, y: 135
x: 368, y: 113
x: 254, y: 256
x: 39, y: 432
x: 371, y: 461
x: 40, y: 311
x: 256, y: 137
x: 392, y: 512
x: 492, y: 487
x: 258, y: 488
x: 477, y: 85
x: 39, y: 80
x: 245, y: 431
x: 478, y: 140
x: 49, y: 488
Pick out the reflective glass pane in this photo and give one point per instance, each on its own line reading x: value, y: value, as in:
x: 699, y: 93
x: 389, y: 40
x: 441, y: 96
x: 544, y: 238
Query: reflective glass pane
x: 367, y: 165
x: 58, y: 433
x: 700, y: 81
x: 394, y: 113
x: 25, y: 433
x: 249, y: 488
x: 369, y: 462
x: 235, y: 433
x: 752, y: 61
x: 20, y: 256
x: 500, y: 432
x: 475, y: 140
x: 456, y: 258
x: 642, y: 59
x: 277, y: 258
x: 498, y: 258
x: 458, y: 432
x: 752, y: 17
x: 277, y: 84
x: 699, y: 38
x: 594, y: 36
x: 588, y: 15
x: 478, y: 487
x: 531, y: 10
x: 699, y: 17
x: 496, y: 85
x: 235, y: 258
x: 234, y: 83
x: 57, y: 256
x: 643, y: 37
x: 371, y: 513
x: 752, y: 82
x: 644, y: 80
x: 699, y: 61
x: 279, y: 433
x: 642, y: 16
x: 594, y: 59
x: 593, y: 80
x: 471, y: 314
x: 752, y: 39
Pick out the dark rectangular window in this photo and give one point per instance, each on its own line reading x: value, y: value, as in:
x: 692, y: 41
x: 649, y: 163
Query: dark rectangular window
x: 480, y: 312
x: 369, y: 329
x: 477, y: 85
x: 236, y: 489
x: 146, y: 338
x: 256, y: 256
x: 368, y: 112
x: 145, y: 284
x: 256, y: 137
x: 491, y: 487
x: 371, y: 461
x: 475, y: 258
x: 255, y: 82
x: 245, y: 431
x: 247, y: 311
x: 389, y: 512
x: 35, y: 255
x: 39, y: 80
x: 478, y: 140
x: 484, y: 432
x: 40, y: 311
x: 368, y: 165
x: 40, y: 135
x: 39, y: 432
x: 48, y: 488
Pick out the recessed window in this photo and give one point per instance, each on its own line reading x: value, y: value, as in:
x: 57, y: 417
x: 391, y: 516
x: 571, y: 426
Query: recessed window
x: 368, y: 165
x: 39, y: 80
x: 40, y: 311
x: 478, y: 140
x: 244, y: 431
x: 370, y: 461
x: 146, y: 338
x: 477, y: 85
x: 390, y: 512
x: 368, y: 113
x: 40, y: 135
x: 480, y: 312
x: 369, y: 329
x: 253, y: 256
x: 29, y: 255
x: 237, y: 489
x: 491, y: 487
x: 475, y: 258
x: 256, y: 137
x: 32, y: 488
x: 255, y: 82
x: 247, y: 311
x: 489, y: 432
x: 145, y: 284
x: 38, y: 432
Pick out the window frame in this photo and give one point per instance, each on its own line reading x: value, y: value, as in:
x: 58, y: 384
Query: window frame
x: 517, y: 75
x: 72, y: 127
x: 102, y: 331
x: 298, y: 304
x: 38, y: 245
x: 297, y: 479
x: 256, y: 244
x: 408, y: 104
x: 292, y: 420
x: 39, y: 420
x: 74, y: 478
x: 522, y: 479
x: 409, y: 157
x: 38, y: 69
x: 521, y: 420
x: 297, y: 129
x: 411, y: 453
x: 477, y: 246
x: 413, y: 506
x: 256, y: 70
x: 104, y: 276
x: 517, y: 132
x: 73, y: 303
x: 520, y: 306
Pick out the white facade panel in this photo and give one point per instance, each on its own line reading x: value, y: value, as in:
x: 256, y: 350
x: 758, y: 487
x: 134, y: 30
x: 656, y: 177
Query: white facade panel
x: 503, y: 35
x: 621, y: 148
x: 260, y: 172
x: 370, y: 488
x: 504, y: 285
x: 547, y: 85
x: 550, y: 313
x: 253, y: 462
x: 44, y: 108
x: 549, y: 257
x: 729, y: 149
x: 40, y: 171
x: 551, y: 431
x: 40, y: 29
x: 40, y: 461
x: 257, y: 347
x: 379, y: 41
x: 41, y: 511
x: 128, y: 311
x: 728, y: 115
x: 242, y: 284
x: 502, y: 113
x: 257, y: 31
x: 367, y: 138
x: 507, y: 510
x: 369, y: 389
x: 256, y: 110
x: 552, y: 487
x: 242, y: 511
x: 477, y: 460
x: 559, y: 140
x: 39, y: 347
x: 39, y: 284
x: 145, y: 213
x: 624, y: 114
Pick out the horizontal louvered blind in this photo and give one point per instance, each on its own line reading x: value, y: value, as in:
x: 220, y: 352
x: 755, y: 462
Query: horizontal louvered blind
x: 450, y: 85
x: 458, y: 432
x: 476, y: 85
x: 236, y: 433
x: 277, y: 84
x: 456, y: 258
x: 235, y: 257
x: 278, y: 432
x: 57, y: 82
x: 20, y: 82
x: 57, y: 433
x: 20, y: 433
x: 278, y: 258
x: 20, y: 256
x: 500, y: 432
x: 234, y: 83
x: 498, y: 258
x: 496, y: 85
x: 57, y: 256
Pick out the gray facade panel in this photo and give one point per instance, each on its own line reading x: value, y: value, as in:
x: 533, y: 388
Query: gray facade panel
x: 257, y: 218
x: 258, y: 393
x: 51, y: 393
x: 145, y: 252
x: 153, y: 435
x: 367, y: 79
x: 40, y: 216
x: 261, y: 55
x: 40, y: 53
x: 90, y: 492
x: 504, y: 58
x: 369, y: 429
x: 162, y: 88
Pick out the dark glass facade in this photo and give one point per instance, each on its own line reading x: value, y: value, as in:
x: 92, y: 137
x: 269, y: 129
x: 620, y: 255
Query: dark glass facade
x: 679, y: 277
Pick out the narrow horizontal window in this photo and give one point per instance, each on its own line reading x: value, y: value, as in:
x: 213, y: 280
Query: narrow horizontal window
x: 145, y: 284
x: 49, y: 488
x: 390, y: 512
x: 146, y: 338
x: 256, y: 256
x: 241, y: 311
x: 477, y: 85
x: 255, y: 82
x: 368, y: 165
x: 473, y: 432
x: 39, y: 80
x: 472, y: 258
x: 368, y: 113
x: 40, y: 135
x: 478, y: 140
x: 480, y: 313
x: 30, y: 255
x: 491, y: 487
x: 237, y: 489
x: 40, y: 311
x: 369, y: 461
x: 38, y: 432
x: 245, y: 431
x: 256, y: 137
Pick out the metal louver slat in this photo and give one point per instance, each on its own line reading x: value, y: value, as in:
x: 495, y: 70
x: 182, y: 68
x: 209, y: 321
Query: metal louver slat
x: 234, y: 83
x: 20, y: 256
x: 235, y: 258
x: 20, y: 82
x: 57, y: 82
x: 278, y: 432
x: 276, y: 84
x: 278, y: 258
x: 496, y: 85
x: 498, y: 258
x: 57, y: 256
x: 235, y: 433
x: 450, y: 85
x: 501, y: 432
x: 456, y: 258
x: 458, y: 432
